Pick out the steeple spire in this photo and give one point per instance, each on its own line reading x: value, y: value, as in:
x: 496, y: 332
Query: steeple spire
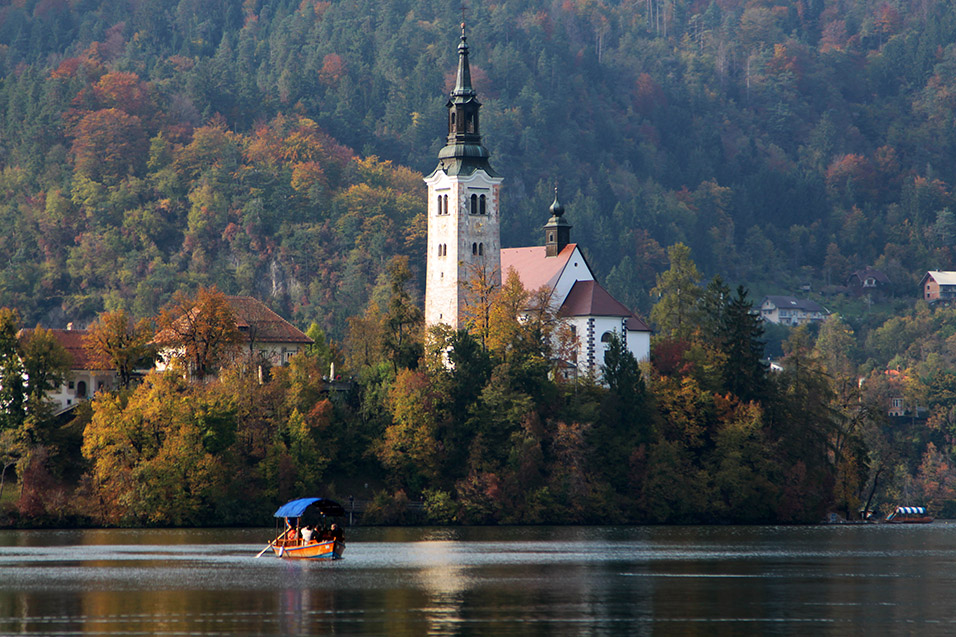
x: 463, y: 82
x: 463, y: 152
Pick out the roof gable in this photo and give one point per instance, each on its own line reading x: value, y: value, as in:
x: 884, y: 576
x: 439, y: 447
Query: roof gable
x: 588, y: 298
x: 260, y: 324
x: 535, y: 269
x: 942, y: 277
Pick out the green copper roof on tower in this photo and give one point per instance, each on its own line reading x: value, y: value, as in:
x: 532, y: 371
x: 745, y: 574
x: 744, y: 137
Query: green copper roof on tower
x: 463, y: 82
x: 463, y: 152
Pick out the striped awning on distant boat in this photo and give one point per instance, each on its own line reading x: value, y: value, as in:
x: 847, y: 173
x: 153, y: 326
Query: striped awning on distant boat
x: 910, y: 510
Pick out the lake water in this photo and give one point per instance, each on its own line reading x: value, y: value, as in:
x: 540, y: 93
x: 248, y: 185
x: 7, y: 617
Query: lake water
x: 831, y: 580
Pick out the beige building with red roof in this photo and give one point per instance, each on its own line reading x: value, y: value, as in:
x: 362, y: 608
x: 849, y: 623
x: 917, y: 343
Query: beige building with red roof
x: 266, y: 336
x: 86, y: 376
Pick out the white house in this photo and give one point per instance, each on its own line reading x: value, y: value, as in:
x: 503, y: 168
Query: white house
x: 789, y: 310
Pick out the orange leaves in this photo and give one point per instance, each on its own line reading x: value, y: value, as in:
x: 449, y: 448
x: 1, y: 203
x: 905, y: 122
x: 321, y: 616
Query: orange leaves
x: 124, y: 91
x: 850, y: 168
x: 333, y: 68
x: 306, y: 175
x: 109, y: 144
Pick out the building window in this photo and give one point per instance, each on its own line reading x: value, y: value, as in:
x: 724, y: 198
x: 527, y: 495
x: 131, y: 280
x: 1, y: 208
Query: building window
x: 439, y: 249
x: 606, y: 337
x: 71, y: 384
x: 481, y: 205
x: 439, y: 205
x: 445, y: 204
x: 481, y: 249
x: 474, y: 204
x: 550, y: 237
x: 81, y: 389
x: 474, y: 248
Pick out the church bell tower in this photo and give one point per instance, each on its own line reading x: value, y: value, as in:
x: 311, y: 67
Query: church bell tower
x: 463, y: 198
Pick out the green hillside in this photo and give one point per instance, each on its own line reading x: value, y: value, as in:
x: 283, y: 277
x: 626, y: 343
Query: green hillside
x: 146, y: 145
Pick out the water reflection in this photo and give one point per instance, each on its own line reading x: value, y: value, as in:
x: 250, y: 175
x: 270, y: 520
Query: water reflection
x: 684, y: 581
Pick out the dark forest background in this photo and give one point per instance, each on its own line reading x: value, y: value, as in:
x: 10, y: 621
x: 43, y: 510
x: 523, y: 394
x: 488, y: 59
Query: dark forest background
x: 147, y: 146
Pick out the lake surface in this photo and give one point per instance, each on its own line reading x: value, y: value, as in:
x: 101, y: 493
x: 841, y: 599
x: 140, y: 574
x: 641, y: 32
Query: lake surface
x: 832, y: 580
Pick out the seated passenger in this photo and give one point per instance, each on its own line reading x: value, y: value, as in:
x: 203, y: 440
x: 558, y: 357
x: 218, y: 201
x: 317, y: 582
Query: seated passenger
x: 336, y: 533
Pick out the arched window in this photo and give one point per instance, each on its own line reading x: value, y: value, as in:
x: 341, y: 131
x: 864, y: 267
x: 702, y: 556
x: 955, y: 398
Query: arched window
x: 439, y: 249
x: 439, y: 204
x: 481, y: 205
x: 81, y: 389
x: 474, y: 248
x: 474, y: 204
x: 445, y: 200
x: 452, y: 118
x: 481, y: 249
x: 470, y: 123
x: 606, y: 337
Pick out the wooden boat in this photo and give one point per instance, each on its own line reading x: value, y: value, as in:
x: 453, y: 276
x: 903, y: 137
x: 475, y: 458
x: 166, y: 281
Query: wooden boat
x: 909, y: 515
x: 289, y: 543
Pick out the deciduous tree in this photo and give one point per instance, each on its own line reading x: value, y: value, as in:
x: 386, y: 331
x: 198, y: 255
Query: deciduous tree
x: 114, y: 342
x: 200, y: 330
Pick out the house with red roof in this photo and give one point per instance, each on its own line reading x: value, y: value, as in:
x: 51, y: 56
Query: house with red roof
x: 86, y: 376
x: 266, y: 336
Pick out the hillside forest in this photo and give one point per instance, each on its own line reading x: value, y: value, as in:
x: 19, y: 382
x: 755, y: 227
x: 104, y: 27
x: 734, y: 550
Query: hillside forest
x: 276, y: 149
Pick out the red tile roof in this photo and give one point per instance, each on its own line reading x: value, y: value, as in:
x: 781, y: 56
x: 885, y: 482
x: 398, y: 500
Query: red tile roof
x: 588, y: 298
x: 256, y: 321
x: 534, y: 267
x: 72, y: 342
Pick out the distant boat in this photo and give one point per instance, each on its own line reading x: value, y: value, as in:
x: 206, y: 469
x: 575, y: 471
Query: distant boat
x: 326, y: 542
x: 909, y: 515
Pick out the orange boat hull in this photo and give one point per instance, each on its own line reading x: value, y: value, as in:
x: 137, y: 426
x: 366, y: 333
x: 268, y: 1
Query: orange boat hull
x: 328, y: 550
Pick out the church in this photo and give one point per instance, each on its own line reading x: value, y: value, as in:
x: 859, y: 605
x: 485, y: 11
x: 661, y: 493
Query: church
x: 464, y: 242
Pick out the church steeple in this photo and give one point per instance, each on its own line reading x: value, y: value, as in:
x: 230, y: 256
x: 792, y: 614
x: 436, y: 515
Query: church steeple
x: 464, y: 194
x: 557, y: 232
x: 463, y: 152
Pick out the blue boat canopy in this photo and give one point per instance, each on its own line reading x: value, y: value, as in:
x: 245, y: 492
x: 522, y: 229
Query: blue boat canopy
x: 296, y: 508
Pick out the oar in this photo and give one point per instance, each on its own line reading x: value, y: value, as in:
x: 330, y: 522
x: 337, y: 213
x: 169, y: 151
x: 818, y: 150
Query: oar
x: 268, y: 546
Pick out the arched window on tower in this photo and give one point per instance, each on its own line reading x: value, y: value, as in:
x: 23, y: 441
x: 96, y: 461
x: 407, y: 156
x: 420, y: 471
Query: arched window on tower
x: 481, y: 205
x: 481, y: 249
x: 474, y: 204
x: 445, y: 204
x: 439, y: 250
x: 474, y: 248
x: 470, y: 123
x: 439, y: 204
x: 606, y: 337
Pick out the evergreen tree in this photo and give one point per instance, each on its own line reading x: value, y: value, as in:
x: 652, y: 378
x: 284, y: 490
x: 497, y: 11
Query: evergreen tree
x: 744, y: 371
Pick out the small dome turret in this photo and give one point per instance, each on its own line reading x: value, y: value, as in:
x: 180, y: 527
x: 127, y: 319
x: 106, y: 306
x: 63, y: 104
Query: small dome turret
x: 557, y: 232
